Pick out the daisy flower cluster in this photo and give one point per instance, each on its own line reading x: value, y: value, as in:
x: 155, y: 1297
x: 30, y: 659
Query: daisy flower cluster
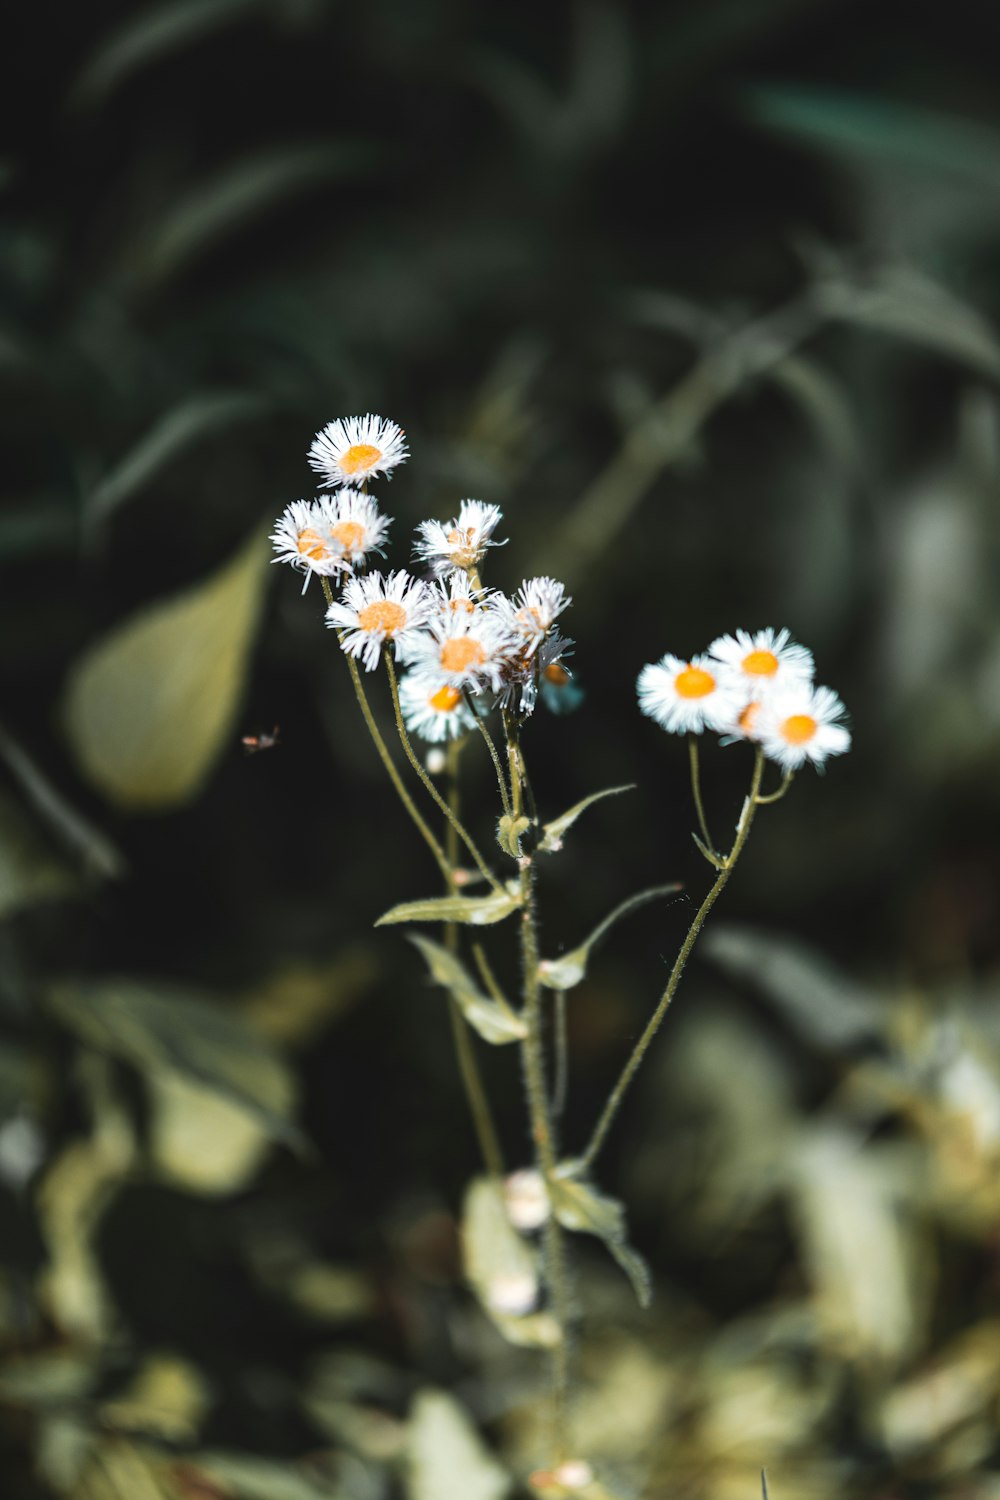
x: 466, y: 648
x: 755, y: 687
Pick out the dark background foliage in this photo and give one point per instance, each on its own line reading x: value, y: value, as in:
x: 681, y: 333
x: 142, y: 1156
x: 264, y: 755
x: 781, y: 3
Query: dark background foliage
x: 514, y: 229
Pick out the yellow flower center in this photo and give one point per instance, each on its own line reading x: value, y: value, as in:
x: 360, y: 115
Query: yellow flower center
x: 460, y: 653
x: 694, y: 682
x: 350, y: 535
x: 461, y: 606
x: 359, y: 457
x: 461, y: 540
x: 385, y: 615
x: 760, y: 663
x: 556, y: 674
x: 748, y: 718
x: 445, y: 699
x: 799, y: 729
x: 311, y: 544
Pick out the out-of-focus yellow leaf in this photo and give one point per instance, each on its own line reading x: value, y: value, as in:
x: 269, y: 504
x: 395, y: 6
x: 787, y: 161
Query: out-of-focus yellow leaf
x: 447, y: 1459
x: 148, y: 709
x: 201, y: 1140
x: 246, y: 1477
x: 71, y: 1199
x: 960, y: 1384
x: 292, y: 1006
x: 29, y: 872
x: 163, y: 1027
x: 865, y: 1259
x: 167, y: 1399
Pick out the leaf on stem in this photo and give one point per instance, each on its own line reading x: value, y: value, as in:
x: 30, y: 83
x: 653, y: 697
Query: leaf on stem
x: 446, y: 1458
x: 552, y: 833
x: 477, y: 911
x: 579, y: 1206
x: 565, y: 972
x: 495, y: 1023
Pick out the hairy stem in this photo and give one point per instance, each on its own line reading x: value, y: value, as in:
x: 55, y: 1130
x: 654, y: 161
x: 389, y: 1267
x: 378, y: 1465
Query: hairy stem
x: 386, y: 758
x: 414, y: 760
x: 699, y: 805
x: 642, y: 1046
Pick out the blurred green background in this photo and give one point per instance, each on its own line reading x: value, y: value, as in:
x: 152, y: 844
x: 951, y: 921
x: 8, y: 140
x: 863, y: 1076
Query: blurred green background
x: 705, y: 298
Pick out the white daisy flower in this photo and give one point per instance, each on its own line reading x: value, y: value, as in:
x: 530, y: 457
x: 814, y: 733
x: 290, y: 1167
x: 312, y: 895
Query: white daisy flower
x: 456, y: 597
x: 434, y: 709
x: 689, y: 696
x: 353, y: 448
x: 802, y: 724
x: 374, y: 609
x: 765, y: 662
x: 459, y: 544
x: 465, y: 650
x: 534, y: 609
x: 301, y: 536
x: 356, y: 526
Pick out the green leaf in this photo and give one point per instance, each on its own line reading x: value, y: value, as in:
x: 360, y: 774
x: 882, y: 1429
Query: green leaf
x: 495, y: 1023
x: 163, y: 1028
x: 580, y: 1207
x: 177, y: 430
x: 552, y: 834
x: 908, y: 305
x: 477, y: 911
x: 150, y: 707
x: 227, y: 201
x: 147, y: 36
x: 447, y: 1458
x: 870, y: 129
x: 568, y: 970
x: 29, y: 872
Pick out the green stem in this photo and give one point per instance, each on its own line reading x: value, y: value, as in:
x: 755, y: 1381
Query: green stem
x: 642, y: 1046
x: 533, y: 1061
x: 699, y: 806
x: 491, y: 747
x: 465, y: 1052
x: 560, y: 1081
x: 414, y: 760
x: 386, y: 758
x: 777, y: 796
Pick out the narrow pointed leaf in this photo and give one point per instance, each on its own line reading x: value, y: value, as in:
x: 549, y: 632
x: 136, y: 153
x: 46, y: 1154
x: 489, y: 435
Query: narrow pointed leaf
x: 477, y: 911
x: 552, y: 834
x: 566, y: 971
x: 580, y: 1207
x: 495, y: 1023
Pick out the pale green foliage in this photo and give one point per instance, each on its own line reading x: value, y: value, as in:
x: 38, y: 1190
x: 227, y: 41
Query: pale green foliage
x: 492, y: 1021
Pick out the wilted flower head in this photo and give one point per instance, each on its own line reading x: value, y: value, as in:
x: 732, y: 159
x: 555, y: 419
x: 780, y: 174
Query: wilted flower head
x: 374, y: 610
x: 802, y: 724
x: 686, y: 697
x: 353, y: 448
x: 533, y: 610
x: 459, y: 544
x: 531, y: 667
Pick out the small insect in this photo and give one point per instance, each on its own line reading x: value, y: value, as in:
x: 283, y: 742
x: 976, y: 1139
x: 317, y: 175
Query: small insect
x: 252, y: 743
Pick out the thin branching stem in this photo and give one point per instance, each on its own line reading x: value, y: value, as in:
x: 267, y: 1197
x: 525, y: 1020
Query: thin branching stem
x: 386, y: 759
x: 491, y: 747
x: 436, y: 796
x: 699, y: 805
x: 642, y: 1046
x: 777, y: 795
